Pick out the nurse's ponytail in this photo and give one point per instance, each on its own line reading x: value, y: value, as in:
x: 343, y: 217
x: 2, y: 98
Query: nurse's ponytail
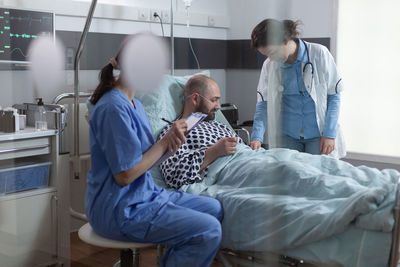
x: 107, y: 79
x: 107, y: 82
x: 274, y: 32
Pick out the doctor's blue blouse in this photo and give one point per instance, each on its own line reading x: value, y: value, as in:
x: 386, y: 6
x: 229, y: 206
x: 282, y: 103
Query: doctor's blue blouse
x: 298, y: 108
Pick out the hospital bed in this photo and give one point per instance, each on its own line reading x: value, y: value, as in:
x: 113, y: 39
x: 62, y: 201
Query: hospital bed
x: 351, y: 243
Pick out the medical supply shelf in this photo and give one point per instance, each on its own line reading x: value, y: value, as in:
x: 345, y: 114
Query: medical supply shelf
x: 30, y: 224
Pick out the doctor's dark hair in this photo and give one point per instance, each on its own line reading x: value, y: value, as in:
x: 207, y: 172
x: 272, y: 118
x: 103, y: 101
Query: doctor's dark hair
x: 274, y: 32
x: 106, y: 76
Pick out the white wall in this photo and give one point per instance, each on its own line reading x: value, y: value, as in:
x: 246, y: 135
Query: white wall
x: 71, y: 15
x: 318, y: 16
x: 368, y: 44
x: 319, y: 19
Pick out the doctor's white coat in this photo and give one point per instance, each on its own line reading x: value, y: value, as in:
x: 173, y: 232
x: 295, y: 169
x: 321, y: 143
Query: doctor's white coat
x: 325, y: 81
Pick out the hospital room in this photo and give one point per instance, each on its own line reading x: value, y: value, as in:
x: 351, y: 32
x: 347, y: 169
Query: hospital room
x: 170, y: 133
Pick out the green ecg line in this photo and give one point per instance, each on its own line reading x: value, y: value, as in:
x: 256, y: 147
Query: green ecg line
x: 24, y: 35
x: 18, y: 49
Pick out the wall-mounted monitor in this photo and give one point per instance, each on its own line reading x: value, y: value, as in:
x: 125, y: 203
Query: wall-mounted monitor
x: 18, y: 27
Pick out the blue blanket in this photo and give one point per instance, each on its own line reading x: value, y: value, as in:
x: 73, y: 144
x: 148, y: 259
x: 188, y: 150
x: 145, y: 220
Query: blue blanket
x: 280, y: 199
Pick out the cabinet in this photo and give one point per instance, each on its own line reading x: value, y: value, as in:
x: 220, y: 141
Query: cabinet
x: 29, y: 220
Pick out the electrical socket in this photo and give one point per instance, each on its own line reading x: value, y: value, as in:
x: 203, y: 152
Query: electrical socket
x: 211, y: 21
x: 165, y: 16
x: 143, y: 14
x: 152, y: 18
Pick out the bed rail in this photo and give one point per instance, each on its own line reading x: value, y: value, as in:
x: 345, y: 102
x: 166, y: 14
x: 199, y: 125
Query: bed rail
x: 394, y: 253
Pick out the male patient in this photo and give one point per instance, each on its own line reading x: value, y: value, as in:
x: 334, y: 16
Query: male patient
x: 205, y: 143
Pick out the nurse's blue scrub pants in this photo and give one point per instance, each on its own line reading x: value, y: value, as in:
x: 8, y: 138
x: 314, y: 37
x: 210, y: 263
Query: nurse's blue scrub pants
x: 191, y: 226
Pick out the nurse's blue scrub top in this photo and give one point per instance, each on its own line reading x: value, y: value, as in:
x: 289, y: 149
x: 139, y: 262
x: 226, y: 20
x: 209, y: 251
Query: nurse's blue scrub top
x: 119, y: 135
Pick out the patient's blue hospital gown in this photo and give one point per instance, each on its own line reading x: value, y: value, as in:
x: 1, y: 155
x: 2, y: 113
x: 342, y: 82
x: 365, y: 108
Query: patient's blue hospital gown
x: 142, y: 211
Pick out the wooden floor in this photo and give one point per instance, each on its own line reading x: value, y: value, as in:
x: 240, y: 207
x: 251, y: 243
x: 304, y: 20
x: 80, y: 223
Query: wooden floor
x: 84, y: 255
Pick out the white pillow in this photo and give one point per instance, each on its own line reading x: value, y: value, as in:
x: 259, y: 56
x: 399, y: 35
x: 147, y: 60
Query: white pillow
x: 166, y: 102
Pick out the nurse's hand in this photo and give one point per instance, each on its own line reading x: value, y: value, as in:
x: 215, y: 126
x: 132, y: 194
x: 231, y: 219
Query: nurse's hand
x: 175, y: 137
x: 327, y: 145
x: 255, y: 144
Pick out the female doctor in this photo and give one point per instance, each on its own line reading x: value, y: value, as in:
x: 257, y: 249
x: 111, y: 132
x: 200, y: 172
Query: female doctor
x: 122, y: 201
x: 302, y: 87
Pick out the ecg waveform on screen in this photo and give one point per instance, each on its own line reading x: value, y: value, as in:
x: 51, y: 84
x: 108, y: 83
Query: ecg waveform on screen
x: 29, y: 19
x: 18, y: 28
x: 24, y: 35
x: 17, y: 49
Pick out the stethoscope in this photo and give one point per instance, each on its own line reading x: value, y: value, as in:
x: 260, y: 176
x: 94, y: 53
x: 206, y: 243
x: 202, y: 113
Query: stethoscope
x: 305, y: 72
x: 307, y: 65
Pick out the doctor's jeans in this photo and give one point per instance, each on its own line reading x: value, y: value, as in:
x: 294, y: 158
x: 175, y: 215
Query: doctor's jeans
x: 311, y: 146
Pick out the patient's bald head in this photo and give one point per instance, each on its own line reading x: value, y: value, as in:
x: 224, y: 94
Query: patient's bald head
x: 202, y: 94
x: 197, y: 84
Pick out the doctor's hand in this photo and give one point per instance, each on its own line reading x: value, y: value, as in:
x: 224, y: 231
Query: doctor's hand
x: 327, y: 145
x: 175, y: 136
x: 255, y: 144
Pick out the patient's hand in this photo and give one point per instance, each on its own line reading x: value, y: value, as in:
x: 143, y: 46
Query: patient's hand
x: 255, y: 144
x: 175, y: 136
x: 225, y: 146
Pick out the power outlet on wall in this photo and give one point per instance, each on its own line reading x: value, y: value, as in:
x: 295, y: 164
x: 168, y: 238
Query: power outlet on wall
x: 143, y: 14
x: 152, y: 12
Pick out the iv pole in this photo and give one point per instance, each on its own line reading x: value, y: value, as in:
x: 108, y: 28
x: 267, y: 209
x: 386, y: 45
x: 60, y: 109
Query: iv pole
x: 76, y: 160
x: 76, y: 155
x: 172, y: 39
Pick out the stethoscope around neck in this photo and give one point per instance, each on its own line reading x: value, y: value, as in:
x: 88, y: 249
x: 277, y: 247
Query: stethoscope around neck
x: 307, y: 65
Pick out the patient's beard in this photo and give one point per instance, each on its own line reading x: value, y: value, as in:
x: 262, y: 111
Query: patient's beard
x: 203, y: 109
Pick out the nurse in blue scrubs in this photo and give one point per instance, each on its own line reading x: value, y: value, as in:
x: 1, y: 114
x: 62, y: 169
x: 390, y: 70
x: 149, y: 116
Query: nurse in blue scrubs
x: 122, y: 201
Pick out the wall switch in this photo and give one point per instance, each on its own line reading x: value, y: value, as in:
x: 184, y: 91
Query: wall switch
x: 211, y: 21
x: 143, y: 14
x: 165, y: 16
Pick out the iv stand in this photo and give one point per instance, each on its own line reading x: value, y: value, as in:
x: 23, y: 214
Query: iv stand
x: 172, y: 39
x: 76, y: 155
x: 76, y: 160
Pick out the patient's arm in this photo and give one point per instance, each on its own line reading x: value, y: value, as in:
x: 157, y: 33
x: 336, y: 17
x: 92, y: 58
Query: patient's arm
x: 223, y: 147
x: 204, y: 144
